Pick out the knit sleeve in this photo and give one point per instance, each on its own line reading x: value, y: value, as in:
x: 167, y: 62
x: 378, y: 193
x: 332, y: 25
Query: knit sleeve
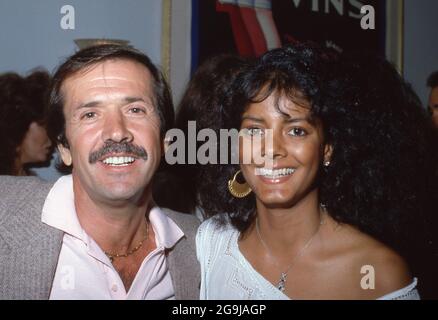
x: 409, y: 292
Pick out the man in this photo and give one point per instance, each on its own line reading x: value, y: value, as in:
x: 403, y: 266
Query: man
x: 97, y: 234
x: 432, y: 82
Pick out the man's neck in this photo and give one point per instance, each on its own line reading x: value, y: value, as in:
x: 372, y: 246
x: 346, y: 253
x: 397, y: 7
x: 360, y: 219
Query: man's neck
x: 116, y: 227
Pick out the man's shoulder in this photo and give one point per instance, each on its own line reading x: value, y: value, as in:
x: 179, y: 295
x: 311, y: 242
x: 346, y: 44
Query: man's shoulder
x: 187, y: 222
x: 11, y: 184
x: 21, y: 192
x: 182, y: 258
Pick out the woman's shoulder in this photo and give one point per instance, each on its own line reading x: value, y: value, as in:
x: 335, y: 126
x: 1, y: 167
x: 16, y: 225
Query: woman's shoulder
x: 216, y: 225
x: 378, y: 269
x: 390, y: 269
x: 213, y: 233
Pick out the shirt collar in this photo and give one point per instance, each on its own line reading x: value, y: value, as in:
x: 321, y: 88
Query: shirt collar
x: 59, y: 208
x: 167, y: 232
x: 59, y: 212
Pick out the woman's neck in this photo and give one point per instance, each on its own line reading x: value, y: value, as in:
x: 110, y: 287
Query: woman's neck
x: 286, y: 228
x: 19, y: 168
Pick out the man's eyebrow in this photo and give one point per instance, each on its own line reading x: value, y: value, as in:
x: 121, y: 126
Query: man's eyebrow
x: 125, y: 100
x: 88, y: 104
x: 133, y: 99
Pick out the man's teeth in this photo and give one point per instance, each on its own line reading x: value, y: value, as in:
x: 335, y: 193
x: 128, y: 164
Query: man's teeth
x: 118, y: 161
x: 274, y: 173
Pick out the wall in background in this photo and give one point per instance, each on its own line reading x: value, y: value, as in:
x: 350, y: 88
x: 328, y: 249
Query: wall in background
x: 31, y: 35
x: 30, y: 32
x: 420, y: 43
x: 180, y: 57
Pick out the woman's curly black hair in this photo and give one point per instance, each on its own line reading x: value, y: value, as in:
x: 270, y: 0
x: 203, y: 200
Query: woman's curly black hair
x: 23, y: 100
x: 382, y: 175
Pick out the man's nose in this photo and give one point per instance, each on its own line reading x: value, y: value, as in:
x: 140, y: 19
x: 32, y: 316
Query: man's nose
x: 115, y: 128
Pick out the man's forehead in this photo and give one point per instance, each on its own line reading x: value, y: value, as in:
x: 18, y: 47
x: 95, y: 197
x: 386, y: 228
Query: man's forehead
x: 108, y: 72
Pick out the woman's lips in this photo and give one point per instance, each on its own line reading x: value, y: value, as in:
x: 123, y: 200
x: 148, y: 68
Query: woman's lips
x: 274, y: 176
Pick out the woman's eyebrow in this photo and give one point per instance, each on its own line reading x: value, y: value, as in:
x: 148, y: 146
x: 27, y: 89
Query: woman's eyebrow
x: 298, y: 119
x: 253, y: 118
x: 287, y: 119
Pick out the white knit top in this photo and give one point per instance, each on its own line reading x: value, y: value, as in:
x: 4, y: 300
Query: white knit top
x: 226, y: 274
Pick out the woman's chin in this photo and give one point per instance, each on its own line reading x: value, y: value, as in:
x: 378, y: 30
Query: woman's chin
x: 276, y: 201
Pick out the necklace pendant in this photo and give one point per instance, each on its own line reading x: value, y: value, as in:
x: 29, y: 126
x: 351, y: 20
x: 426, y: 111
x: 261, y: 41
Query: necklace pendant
x: 282, y: 283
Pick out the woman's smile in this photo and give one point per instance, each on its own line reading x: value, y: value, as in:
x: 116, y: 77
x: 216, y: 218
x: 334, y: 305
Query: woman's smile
x: 274, y: 176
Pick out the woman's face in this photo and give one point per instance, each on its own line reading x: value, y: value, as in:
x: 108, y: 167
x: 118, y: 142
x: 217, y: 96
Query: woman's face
x: 36, y: 145
x: 292, y: 160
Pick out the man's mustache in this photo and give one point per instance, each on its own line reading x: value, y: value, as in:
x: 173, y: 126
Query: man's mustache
x: 117, y: 147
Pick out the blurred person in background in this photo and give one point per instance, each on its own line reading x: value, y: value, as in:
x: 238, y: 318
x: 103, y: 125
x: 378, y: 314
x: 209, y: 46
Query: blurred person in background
x: 432, y: 83
x: 23, y: 135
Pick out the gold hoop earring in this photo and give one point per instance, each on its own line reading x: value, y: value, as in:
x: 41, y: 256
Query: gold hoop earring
x: 238, y: 190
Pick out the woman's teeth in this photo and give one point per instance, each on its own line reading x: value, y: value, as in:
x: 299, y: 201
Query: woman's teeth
x: 274, y: 173
x: 118, y: 161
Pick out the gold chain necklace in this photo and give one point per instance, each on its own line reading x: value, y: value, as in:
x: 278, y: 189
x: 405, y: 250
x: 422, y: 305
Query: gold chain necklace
x: 112, y: 256
x: 281, y: 285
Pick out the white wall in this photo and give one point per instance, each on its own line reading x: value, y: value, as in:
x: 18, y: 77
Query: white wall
x: 420, y: 43
x: 31, y: 35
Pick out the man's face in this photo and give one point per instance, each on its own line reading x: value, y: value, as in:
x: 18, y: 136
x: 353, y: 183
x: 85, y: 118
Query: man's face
x: 113, y: 130
x: 433, y: 105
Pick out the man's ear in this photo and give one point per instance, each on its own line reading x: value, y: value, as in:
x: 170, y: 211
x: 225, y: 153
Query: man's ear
x: 65, y: 154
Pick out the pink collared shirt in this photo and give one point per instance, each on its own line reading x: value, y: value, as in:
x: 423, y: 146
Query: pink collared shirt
x: 85, y: 272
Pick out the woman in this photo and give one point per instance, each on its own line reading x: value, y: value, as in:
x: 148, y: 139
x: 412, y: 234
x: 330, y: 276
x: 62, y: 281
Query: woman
x: 23, y: 136
x: 317, y: 218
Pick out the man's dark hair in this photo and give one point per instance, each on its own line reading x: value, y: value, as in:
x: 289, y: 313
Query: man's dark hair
x: 86, y: 59
x: 432, y: 80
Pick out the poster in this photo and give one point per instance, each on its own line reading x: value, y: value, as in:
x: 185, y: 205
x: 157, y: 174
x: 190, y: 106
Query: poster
x: 250, y: 27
